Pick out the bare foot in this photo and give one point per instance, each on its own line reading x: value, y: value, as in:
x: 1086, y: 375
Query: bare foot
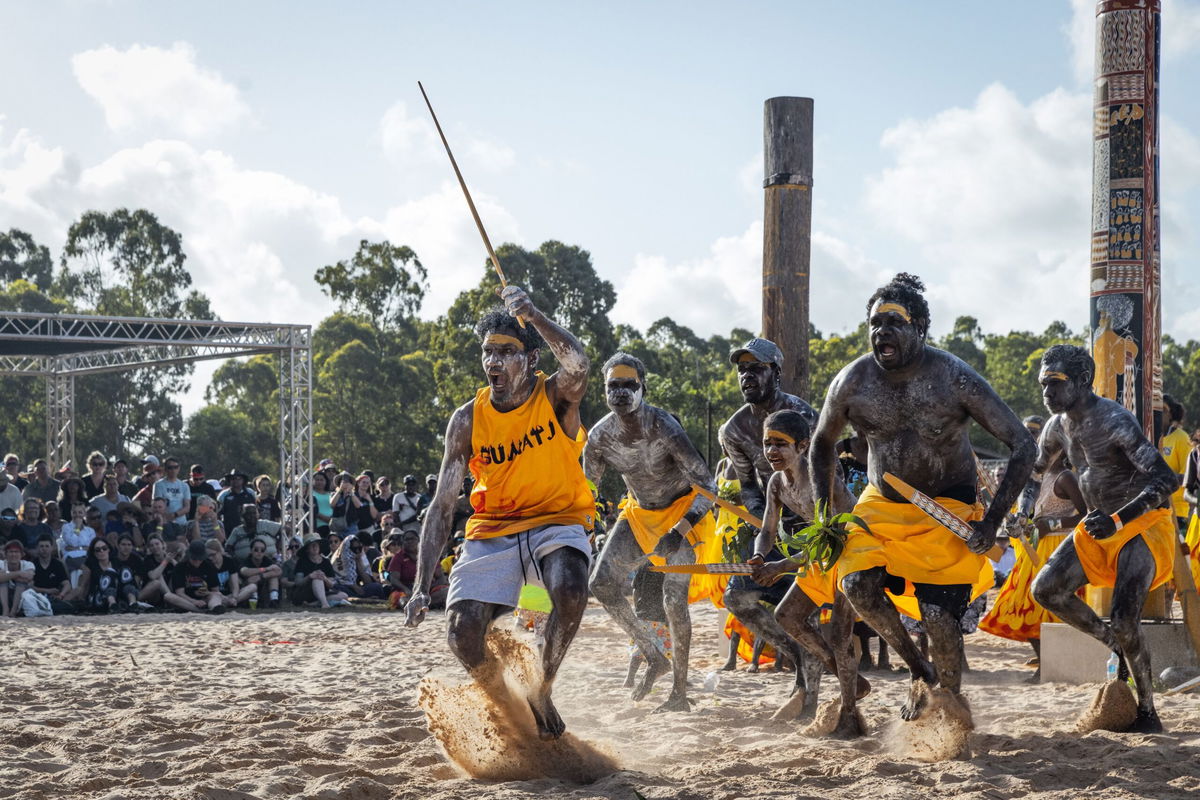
x: 656, y: 665
x: 1146, y: 722
x: 753, y: 667
x: 849, y: 726
x: 634, y: 663
x: 918, y: 697
x: 731, y: 663
x: 676, y: 702
x: 549, y: 724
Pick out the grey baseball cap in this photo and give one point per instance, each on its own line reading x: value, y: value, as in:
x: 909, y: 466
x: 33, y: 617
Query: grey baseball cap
x: 763, y: 350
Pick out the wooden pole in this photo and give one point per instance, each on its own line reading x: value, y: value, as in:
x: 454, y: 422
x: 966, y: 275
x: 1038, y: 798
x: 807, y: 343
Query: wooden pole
x: 1126, y: 306
x: 787, y: 233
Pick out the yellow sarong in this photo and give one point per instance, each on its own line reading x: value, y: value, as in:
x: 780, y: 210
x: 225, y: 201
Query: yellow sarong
x: 819, y: 586
x: 1015, y: 614
x: 1099, y: 557
x: 650, y: 525
x: 909, y: 544
x: 1193, y: 547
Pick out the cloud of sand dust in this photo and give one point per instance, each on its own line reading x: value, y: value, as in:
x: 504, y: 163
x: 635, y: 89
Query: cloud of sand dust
x: 941, y: 732
x: 493, y: 736
x: 1113, y: 709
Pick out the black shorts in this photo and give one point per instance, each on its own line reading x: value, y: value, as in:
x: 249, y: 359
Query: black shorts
x: 952, y: 597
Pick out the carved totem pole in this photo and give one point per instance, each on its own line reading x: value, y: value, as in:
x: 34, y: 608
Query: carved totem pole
x: 1126, y: 304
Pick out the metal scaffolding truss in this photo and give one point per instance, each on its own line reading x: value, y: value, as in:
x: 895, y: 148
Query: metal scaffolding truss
x: 62, y: 346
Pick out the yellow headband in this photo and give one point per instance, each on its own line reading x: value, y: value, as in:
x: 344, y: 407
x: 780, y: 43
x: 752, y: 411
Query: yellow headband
x: 1058, y: 376
x: 623, y: 372
x: 781, y: 435
x: 746, y: 357
x: 899, y: 309
x: 497, y: 339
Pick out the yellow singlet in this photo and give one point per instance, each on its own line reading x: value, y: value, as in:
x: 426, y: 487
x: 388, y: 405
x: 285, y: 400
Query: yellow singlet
x: 526, y: 470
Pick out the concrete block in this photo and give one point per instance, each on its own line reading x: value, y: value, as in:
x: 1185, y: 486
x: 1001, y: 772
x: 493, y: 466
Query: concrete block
x: 1071, y: 656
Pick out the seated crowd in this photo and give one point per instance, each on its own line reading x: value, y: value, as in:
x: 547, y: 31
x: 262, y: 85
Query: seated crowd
x: 104, y: 542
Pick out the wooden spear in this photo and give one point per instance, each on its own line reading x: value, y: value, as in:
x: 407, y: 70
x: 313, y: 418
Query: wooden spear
x: 467, y: 194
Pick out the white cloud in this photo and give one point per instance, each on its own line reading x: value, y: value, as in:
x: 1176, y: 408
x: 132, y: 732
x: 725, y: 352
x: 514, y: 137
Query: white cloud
x: 410, y: 141
x: 440, y: 229
x: 723, y: 290
x: 1180, y: 33
x: 151, y: 87
x: 996, y: 198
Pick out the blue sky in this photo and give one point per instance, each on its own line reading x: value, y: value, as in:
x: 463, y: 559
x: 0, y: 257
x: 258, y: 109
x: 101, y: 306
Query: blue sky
x: 953, y: 140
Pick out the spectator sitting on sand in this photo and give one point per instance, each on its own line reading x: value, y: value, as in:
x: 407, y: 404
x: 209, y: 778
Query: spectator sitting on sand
x: 194, y: 582
x: 353, y: 568
x: 260, y: 570
x: 315, y: 577
x: 16, y: 578
x: 253, y: 528
x: 229, y: 580
x: 156, y: 571
x: 402, y: 571
x: 50, y: 576
x: 98, y: 580
x: 128, y: 565
x: 76, y: 539
x: 31, y: 527
x: 206, y: 527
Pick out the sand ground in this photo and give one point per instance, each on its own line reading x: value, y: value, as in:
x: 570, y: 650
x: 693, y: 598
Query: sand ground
x: 324, y: 705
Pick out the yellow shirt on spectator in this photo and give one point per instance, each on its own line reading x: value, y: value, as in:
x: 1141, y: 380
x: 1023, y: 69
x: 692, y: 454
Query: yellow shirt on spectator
x: 1175, y: 448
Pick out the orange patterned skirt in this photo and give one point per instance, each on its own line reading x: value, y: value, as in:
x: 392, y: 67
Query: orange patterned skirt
x: 1015, y: 615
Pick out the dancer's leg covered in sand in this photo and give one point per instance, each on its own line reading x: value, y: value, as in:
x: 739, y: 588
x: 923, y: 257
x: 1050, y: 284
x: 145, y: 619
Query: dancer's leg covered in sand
x: 565, y: 573
x: 675, y: 603
x: 1055, y: 589
x: 744, y: 604
x: 865, y: 591
x: 621, y: 554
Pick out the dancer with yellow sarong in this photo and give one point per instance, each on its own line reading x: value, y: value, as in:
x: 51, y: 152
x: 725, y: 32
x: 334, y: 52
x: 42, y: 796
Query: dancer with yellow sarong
x: 1015, y: 614
x: 914, y: 404
x: 1128, y: 539
x: 662, y: 519
x: 786, y: 436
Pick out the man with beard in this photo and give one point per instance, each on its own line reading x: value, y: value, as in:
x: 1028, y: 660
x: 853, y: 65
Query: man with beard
x: 521, y: 436
x: 1127, y: 540
x: 914, y: 404
x: 758, y: 364
x: 659, y: 465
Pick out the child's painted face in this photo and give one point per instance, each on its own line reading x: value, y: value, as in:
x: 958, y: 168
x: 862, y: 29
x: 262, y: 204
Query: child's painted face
x: 782, y: 450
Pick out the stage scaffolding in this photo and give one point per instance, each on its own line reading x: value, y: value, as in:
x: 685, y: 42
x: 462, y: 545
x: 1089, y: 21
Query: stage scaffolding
x: 59, y: 347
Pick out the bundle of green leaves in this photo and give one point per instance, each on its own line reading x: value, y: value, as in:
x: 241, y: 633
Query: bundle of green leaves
x: 820, y: 544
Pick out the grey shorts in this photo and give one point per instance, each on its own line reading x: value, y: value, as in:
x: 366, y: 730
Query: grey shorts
x: 494, y: 570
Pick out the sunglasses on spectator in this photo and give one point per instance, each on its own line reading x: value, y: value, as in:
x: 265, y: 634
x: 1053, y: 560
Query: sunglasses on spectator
x: 101, y: 549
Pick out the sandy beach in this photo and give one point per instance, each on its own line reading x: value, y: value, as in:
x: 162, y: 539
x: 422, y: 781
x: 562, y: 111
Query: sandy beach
x: 324, y: 705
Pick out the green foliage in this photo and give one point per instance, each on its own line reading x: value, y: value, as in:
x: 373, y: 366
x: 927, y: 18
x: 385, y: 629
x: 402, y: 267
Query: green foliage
x: 222, y: 438
x: 21, y: 258
x: 1181, y: 378
x: 382, y: 282
x: 827, y: 357
x: 821, y: 543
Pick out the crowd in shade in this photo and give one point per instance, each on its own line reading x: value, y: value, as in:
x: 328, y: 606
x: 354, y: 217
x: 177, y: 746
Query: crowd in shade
x: 107, y: 540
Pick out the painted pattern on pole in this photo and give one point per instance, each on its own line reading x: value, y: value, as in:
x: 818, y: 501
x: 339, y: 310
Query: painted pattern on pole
x: 1126, y: 304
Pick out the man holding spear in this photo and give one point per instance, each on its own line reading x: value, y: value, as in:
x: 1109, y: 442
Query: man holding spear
x: 521, y: 437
